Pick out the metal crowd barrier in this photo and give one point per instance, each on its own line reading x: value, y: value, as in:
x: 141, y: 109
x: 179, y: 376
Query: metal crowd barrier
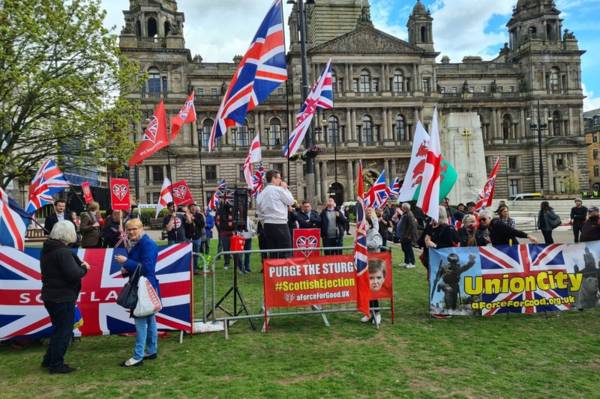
x: 231, y: 318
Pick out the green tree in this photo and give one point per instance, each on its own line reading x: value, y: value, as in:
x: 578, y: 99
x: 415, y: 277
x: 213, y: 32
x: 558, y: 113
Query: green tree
x: 62, y: 82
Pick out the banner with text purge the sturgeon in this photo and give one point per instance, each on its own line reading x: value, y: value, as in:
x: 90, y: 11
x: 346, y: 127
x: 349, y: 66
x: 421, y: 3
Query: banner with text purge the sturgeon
x: 514, y: 279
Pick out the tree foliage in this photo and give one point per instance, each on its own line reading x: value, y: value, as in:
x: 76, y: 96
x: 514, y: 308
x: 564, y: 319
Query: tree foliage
x: 63, y: 85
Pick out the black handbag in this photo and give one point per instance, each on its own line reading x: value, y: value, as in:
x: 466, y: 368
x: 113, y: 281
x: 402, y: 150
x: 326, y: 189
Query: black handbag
x: 128, y: 297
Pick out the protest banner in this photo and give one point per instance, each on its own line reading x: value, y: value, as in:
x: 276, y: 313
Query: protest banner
x: 522, y: 278
x: 22, y: 311
x: 305, y: 241
x: 87, y: 192
x: 320, y: 280
x: 119, y: 194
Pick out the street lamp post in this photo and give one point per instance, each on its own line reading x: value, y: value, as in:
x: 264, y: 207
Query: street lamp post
x: 539, y: 127
x: 309, y: 141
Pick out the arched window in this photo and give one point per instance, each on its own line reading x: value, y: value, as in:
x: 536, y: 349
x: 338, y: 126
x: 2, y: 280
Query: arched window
x: 138, y: 28
x: 554, y: 80
x: 206, y: 128
x: 153, y: 81
x: 506, y: 127
x: 167, y: 27
x: 423, y: 34
x: 400, y: 129
x: 274, y: 138
x: 364, y: 83
x: 366, y: 132
x: 333, y: 130
x: 152, y: 27
x: 556, y: 124
x: 398, y: 81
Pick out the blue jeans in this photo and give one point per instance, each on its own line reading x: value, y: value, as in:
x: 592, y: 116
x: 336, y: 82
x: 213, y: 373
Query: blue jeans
x: 196, y: 244
x: 146, y: 336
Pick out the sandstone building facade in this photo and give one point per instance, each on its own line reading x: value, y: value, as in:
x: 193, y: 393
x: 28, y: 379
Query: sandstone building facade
x: 382, y: 86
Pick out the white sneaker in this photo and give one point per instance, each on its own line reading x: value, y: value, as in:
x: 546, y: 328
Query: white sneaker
x: 378, y: 318
x: 131, y: 362
x: 410, y: 266
x: 402, y: 265
x: 365, y: 319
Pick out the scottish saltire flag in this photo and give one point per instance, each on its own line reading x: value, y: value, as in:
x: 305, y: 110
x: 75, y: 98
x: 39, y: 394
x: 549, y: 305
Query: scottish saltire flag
x: 13, y: 222
x: 254, y: 155
x: 522, y: 261
x: 361, y: 257
x: 22, y: 312
x: 262, y: 69
x: 320, y: 96
x: 378, y: 194
x: 49, y: 180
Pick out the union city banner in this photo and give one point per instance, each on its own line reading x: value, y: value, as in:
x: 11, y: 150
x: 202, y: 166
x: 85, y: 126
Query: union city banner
x: 321, y: 280
x: 522, y: 278
x: 22, y: 311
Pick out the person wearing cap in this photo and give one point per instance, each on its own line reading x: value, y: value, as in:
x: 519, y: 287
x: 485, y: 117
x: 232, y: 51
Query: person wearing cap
x: 590, y: 230
x: 578, y: 215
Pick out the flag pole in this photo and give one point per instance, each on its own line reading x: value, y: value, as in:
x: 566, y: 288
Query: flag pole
x: 288, y: 89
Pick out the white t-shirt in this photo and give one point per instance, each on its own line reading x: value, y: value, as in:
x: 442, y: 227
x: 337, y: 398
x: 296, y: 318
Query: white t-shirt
x: 272, y: 204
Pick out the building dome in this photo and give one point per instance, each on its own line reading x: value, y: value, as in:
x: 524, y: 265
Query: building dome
x: 420, y: 9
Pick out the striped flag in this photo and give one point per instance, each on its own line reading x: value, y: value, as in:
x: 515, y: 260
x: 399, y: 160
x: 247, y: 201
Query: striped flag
x: 187, y: 114
x: 260, y: 72
x: 378, y: 194
x: 49, y: 180
x: 429, y: 196
x: 320, y: 96
x: 254, y: 155
x: 165, y: 196
x: 486, y: 196
x: 13, y: 222
x: 361, y: 258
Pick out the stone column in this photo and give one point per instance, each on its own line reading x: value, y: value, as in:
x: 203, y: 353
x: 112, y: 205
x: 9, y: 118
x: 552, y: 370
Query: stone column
x: 350, y: 176
x: 317, y: 175
x: 544, y: 85
x: 414, y: 78
x: 386, y: 133
x: 355, y: 133
x: 324, y: 185
x: 570, y: 124
x: 389, y: 122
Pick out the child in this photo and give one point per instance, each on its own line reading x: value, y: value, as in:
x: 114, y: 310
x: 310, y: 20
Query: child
x: 377, y: 271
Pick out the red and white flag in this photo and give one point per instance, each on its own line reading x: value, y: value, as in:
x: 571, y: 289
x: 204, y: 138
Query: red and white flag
x: 486, y: 197
x: 182, y: 195
x: 187, y: 114
x: 155, y: 136
x: 254, y: 155
x: 165, y: 196
x: 429, y: 196
x: 414, y: 174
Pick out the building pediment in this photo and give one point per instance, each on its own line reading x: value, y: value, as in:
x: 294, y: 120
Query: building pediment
x: 560, y: 141
x: 365, y: 39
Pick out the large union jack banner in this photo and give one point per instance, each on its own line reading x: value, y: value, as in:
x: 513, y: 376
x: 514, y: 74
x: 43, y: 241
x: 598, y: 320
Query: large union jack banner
x: 22, y: 311
x: 523, y: 278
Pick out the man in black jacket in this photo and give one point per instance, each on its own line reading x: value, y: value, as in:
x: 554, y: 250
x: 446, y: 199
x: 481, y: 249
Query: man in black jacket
x: 61, y: 271
x: 578, y: 215
x: 59, y: 214
x: 332, y: 227
x: 499, y: 232
x: 307, y: 218
x: 590, y: 231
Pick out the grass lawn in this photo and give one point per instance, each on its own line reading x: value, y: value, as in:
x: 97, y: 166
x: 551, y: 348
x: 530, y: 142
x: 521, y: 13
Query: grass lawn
x: 553, y: 356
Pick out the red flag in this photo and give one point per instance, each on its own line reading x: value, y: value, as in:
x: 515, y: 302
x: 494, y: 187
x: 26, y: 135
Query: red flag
x: 486, y: 197
x: 187, y: 114
x: 429, y: 196
x: 87, y: 193
x: 155, y: 136
x: 181, y: 193
x: 119, y: 194
x: 360, y: 249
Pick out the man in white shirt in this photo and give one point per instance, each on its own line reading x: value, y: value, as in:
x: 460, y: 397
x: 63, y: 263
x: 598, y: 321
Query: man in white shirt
x: 272, y: 210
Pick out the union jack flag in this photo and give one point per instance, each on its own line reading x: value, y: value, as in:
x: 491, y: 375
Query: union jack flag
x: 254, y: 155
x: 260, y: 72
x: 47, y: 181
x: 361, y: 257
x: 523, y: 261
x: 320, y: 96
x: 214, y: 202
x: 395, y: 187
x: 221, y: 185
x: 22, y: 312
x: 258, y: 180
x: 379, y: 193
x: 13, y: 222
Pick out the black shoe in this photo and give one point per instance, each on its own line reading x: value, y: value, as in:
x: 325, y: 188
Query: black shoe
x: 64, y: 369
x: 151, y: 357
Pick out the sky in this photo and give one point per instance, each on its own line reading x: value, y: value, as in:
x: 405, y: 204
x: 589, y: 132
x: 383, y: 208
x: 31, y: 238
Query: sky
x: 219, y: 29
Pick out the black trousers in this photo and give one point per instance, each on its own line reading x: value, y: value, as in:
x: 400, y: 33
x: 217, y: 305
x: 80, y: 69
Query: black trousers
x: 409, y: 254
x: 332, y: 242
x: 277, y: 236
x: 577, y: 231
x: 62, y: 316
x: 548, y: 236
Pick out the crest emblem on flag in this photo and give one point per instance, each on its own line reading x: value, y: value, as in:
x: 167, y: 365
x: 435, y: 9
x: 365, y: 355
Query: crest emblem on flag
x: 152, y: 130
x: 180, y: 192
x: 120, y: 191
